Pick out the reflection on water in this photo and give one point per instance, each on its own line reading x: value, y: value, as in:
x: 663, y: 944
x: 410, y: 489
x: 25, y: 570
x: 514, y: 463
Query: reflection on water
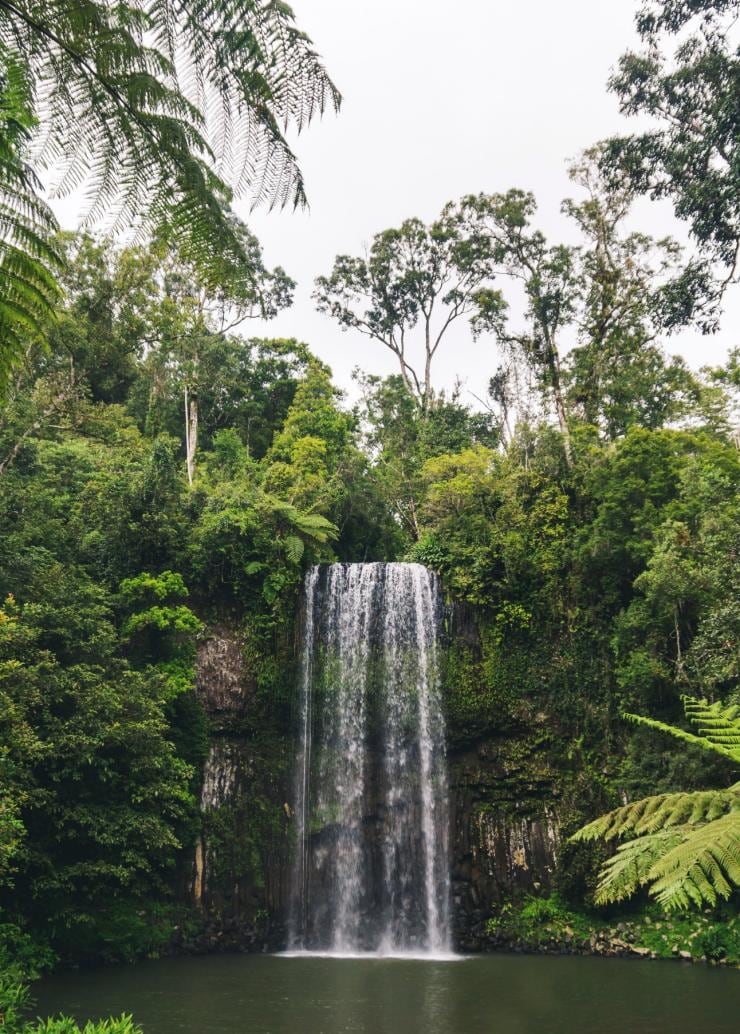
x: 484, y: 995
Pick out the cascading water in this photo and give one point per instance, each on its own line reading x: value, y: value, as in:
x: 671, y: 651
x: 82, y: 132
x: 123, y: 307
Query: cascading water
x: 371, y: 871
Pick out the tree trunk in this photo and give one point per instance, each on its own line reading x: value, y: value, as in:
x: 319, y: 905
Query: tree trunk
x: 564, y: 429
x: 191, y: 432
x: 557, y: 391
x: 428, y: 365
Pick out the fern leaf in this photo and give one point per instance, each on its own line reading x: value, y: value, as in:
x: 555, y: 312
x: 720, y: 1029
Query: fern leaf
x: 651, y: 814
x: 629, y: 868
x: 702, y: 868
x: 679, y: 734
x: 294, y: 548
x: 28, y: 260
x: 158, y: 112
x: 720, y: 726
x: 316, y: 527
x: 718, y: 729
x: 686, y: 846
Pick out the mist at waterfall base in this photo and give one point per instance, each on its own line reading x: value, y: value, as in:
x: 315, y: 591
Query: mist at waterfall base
x: 371, y: 871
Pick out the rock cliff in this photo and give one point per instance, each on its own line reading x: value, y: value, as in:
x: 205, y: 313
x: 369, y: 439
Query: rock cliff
x: 504, y: 809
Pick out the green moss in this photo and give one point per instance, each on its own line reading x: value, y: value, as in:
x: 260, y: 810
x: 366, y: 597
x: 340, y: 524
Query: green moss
x: 468, y: 699
x: 268, y: 647
x: 245, y: 835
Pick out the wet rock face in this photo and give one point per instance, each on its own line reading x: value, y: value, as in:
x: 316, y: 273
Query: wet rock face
x: 226, y: 768
x: 510, y: 853
x: 461, y: 627
x: 222, y: 683
x: 504, y: 836
x: 241, y: 861
x: 237, y: 875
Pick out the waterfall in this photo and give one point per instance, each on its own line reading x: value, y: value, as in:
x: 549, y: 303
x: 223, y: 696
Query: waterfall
x: 371, y: 867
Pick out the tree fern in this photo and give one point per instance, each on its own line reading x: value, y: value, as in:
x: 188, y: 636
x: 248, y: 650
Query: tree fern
x: 684, y: 846
x: 158, y: 112
x: 315, y: 526
x: 651, y: 814
x: 28, y: 261
x: 627, y: 870
x: 300, y: 525
x: 702, y: 868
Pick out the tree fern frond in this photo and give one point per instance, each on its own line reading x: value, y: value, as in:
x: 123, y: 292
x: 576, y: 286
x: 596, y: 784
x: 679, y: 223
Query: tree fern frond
x: 315, y: 526
x: 157, y: 111
x: 702, y: 868
x: 628, y: 869
x: 294, y: 549
x: 651, y: 814
x: 718, y: 729
x: 720, y: 726
x: 28, y: 261
x: 308, y: 525
x: 686, y: 846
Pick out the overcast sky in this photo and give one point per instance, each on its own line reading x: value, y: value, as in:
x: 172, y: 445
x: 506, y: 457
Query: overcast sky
x: 443, y: 99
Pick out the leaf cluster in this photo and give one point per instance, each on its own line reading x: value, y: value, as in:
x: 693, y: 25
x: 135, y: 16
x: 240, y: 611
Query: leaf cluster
x: 158, y: 114
x: 684, y: 846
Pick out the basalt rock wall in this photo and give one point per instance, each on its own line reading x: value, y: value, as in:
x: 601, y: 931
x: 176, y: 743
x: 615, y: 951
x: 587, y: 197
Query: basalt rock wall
x: 503, y: 845
x: 238, y: 877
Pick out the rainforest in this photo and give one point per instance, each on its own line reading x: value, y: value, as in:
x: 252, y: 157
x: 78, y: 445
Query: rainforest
x: 344, y: 705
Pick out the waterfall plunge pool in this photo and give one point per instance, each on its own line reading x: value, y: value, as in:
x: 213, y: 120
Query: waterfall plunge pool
x: 489, y: 994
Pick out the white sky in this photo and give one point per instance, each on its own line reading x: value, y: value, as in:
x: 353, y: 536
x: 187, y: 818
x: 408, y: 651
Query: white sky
x: 440, y: 100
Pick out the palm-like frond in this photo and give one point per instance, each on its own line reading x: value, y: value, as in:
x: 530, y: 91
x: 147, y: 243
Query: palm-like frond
x: 684, y: 865
x: 315, y: 526
x: 126, y: 90
x: 629, y: 868
x: 312, y: 526
x: 157, y: 112
x: 684, y: 846
x: 28, y: 261
x: 700, y: 869
x: 294, y: 549
x: 662, y: 811
x: 282, y: 84
x: 718, y: 728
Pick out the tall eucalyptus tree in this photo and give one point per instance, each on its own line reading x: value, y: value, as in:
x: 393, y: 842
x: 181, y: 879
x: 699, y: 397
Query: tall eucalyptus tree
x: 689, y: 150
x: 415, y: 282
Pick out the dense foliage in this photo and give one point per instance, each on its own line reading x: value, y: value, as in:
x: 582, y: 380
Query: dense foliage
x: 685, y: 83
x: 685, y: 845
x: 105, y: 560
x: 598, y: 586
x: 161, y: 472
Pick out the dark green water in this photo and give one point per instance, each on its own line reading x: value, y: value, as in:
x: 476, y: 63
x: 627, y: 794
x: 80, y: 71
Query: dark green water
x: 485, y: 995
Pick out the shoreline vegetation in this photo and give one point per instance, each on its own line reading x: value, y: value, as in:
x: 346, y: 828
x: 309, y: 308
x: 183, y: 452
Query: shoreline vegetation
x: 545, y: 925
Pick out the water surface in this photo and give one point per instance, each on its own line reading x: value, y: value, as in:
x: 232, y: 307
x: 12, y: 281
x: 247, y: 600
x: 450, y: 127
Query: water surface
x: 499, y: 994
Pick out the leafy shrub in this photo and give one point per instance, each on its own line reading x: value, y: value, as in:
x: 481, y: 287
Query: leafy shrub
x: 719, y: 942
